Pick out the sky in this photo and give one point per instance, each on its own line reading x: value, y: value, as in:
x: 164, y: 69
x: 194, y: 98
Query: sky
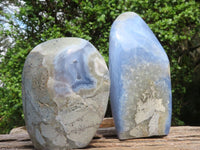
x: 10, y: 9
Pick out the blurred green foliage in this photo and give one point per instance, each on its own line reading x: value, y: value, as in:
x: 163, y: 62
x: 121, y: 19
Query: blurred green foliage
x: 176, y: 23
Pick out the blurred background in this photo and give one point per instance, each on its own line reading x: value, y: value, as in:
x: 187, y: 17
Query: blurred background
x: 25, y: 24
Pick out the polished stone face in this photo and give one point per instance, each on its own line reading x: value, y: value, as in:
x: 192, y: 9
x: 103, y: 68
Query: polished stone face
x: 140, y: 79
x: 65, y: 87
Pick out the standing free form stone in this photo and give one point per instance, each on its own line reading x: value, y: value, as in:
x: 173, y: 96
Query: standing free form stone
x: 65, y: 87
x: 140, y: 79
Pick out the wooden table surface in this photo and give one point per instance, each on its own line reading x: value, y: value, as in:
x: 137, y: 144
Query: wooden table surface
x: 180, y: 138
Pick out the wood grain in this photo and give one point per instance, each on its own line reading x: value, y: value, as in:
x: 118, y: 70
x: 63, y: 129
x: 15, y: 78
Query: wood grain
x: 180, y: 138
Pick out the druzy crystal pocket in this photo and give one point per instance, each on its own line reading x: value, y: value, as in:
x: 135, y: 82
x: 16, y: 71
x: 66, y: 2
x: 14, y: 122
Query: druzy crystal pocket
x: 140, y: 79
x: 65, y: 87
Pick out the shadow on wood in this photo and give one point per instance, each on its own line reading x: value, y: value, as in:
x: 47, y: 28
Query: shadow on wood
x: 180, y: 138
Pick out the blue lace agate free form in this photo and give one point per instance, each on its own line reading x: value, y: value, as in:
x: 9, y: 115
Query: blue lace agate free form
x: 141, y: 97
x: 65, y: 88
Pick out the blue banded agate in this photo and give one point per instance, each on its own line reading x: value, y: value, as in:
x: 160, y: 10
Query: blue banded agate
x: 65, y: 88
x: 140, y: 92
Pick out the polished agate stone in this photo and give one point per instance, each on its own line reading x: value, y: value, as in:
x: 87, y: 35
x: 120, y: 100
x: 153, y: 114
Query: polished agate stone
x: 141, y: 97
x: 65, y: 87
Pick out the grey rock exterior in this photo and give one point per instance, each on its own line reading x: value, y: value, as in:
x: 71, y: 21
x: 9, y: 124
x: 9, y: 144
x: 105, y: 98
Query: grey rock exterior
x: 65, y: 89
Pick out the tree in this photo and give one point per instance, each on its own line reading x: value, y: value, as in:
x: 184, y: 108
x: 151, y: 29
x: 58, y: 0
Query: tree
x: 175, y: 22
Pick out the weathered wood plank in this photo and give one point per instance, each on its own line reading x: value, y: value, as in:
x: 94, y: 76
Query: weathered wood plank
x: 180, y: 138
x: 107, y: 122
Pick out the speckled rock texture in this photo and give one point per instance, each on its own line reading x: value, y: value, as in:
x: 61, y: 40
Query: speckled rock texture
x: 141, y: 97
x: 65, y: 88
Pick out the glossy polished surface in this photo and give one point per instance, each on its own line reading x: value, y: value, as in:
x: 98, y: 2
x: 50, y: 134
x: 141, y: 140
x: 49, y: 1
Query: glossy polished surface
x: 65, y: 87
x: 140, y: 79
